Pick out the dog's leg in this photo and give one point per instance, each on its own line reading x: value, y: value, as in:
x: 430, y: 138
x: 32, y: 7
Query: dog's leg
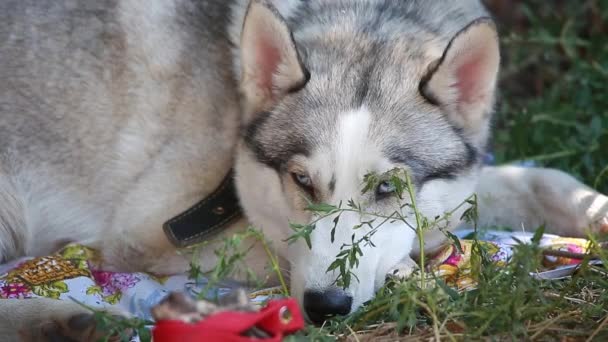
x: 526, y: 198
x: 34, y: 319
x: 12, y: 220
x: 44, y: 319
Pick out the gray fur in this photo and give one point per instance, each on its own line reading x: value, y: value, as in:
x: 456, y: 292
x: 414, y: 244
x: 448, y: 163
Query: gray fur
x: 80, y: 76
x: 373, y: 54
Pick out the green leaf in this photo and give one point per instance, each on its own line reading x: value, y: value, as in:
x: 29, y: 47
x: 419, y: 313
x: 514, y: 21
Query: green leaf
x: 455, y: 240
x: 371, y: 181
x: 301, y: 231
x: 335, y: 264
x: 308, y: 242
x: 399, y: 184
x: 352, y: 259
x: 321, y: 208
x: 450, y: 291
x: 144, y: 334
x: 538, y: 235
x: 346, y: 280
x: 333, y: 229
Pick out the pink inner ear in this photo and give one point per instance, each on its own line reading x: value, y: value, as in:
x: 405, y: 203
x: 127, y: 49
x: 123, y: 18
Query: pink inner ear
x: 268, y: 58
x: 469, y: 77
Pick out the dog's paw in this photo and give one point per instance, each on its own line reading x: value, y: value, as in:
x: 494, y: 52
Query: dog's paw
x: 597, y: 214
x: 602, y: 226
x: 81, y: 327
x: 402, y: 270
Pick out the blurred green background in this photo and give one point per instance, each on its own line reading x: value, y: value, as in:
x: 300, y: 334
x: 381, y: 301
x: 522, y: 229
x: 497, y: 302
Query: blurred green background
x: 553, y: 95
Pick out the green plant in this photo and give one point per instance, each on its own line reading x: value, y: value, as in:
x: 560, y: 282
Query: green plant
x: 553, y: 107
x: 348, y: 257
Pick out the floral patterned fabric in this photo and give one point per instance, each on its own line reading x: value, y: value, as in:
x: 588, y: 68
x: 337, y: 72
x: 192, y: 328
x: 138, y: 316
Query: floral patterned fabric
x: 72, y: 274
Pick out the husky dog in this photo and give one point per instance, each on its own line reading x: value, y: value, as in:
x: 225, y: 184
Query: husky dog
x: 117, y: 115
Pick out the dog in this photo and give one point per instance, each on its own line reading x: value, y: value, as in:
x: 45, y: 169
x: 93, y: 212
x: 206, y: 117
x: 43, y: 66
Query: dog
x: 117, y: 116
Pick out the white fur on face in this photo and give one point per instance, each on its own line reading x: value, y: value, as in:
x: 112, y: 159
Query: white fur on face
x: 347, y: 159
x: 261, y: 195
x: 352, y: 155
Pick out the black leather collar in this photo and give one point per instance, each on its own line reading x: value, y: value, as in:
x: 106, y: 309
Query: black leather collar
x: 206, y: 217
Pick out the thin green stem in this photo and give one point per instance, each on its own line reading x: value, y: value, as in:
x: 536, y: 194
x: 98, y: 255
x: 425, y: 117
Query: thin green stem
x: 557, y: 155
x: 599, y: 177
x: 274, y: 262
x: 419, y: 229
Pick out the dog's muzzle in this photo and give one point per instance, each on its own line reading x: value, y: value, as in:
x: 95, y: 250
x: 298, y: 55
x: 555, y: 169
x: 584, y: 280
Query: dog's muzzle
x: 321, y: 305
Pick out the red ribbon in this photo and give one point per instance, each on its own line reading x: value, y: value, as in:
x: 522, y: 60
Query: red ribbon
x: 279, y: 318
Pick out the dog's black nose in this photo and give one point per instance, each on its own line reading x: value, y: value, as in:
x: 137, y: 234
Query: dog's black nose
x: 320, y: 305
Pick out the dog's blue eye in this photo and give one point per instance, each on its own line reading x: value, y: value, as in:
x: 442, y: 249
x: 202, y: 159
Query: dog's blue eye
x: 385, y: 188
x: 302, y: 179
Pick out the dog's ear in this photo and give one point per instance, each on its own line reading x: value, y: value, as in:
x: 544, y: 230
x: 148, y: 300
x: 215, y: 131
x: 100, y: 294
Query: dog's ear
x: 463, y: 80
x: 270, y: 63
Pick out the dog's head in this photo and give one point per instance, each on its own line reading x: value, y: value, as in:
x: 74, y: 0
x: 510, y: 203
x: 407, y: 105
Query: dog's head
x: 333, y: 105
